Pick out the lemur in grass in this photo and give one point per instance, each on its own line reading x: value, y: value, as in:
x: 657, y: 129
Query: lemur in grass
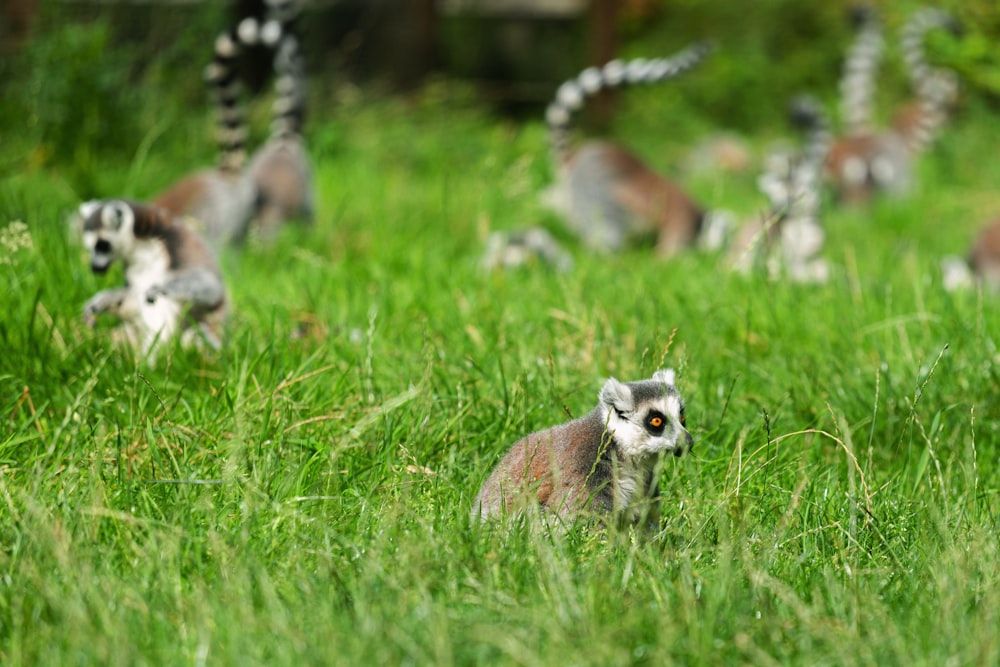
x: 606, y: 193
x: 277, y: 184
x: 981, y: 263
x: 173, y: 285
x: 604, y: 463
x: 281, y: 170
x: 866, y: 160
x: 221, y: 199
x: 789, y: 240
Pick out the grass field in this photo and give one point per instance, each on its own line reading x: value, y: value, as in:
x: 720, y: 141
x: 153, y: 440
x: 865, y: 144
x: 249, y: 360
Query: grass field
x: 303, y: 496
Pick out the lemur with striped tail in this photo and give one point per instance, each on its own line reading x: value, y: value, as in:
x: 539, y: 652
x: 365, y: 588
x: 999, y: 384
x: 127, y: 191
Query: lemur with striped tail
x: 281, y: 170
x: 863, y: 163
x: 221, y: 199
x: 604, y: 463
x: 173, y: 285
x: 790, y: 239
x: 277, y: 183
x: 857, y: 82
x: 980, y: 265
x: 920, y: 121
x: 608, y: 195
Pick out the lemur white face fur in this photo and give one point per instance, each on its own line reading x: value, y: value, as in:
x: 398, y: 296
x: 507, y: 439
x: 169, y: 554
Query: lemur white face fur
x: 109, y: 236
x: 646, y: 417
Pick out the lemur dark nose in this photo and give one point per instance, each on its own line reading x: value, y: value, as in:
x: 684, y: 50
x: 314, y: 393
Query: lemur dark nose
x: 688, y: 445
x: 102, y: 246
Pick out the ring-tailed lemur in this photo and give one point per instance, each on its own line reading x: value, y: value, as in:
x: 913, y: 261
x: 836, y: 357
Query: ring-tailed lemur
x: 281, y: 169
x: 936, y: 88
x: 221, y: 199
x: 604, y: 462
x: 862, y: 164
x: 857, y: 82
x: 509, y: 249
x: 982, y: 263
x: 790, y: 240
x: 277, y: 183
x: 173, y: 285
x: 607, y: 194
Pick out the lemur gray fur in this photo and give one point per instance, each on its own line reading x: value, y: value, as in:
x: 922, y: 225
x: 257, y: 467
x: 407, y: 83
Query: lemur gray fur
x: 173, y: 285
x: 221, y: 199
x: 606, y: 193
x: 509, y: 249
x: 276, y: 185
x: 863, y: 163
x: 791, y: 237
x: 281, y: 169
x: 602, y: 463
x: 857, y: 82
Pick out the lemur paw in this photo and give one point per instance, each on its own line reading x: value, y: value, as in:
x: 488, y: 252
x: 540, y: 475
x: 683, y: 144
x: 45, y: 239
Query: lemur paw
x: 99, y: 303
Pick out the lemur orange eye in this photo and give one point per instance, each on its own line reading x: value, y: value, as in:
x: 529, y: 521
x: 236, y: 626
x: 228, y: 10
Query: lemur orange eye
x: 684, y: 421
x: 655, y: 422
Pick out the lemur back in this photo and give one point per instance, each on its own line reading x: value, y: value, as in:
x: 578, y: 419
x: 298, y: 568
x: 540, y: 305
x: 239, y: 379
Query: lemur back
x: 599, y: 464
x: 790, y: 239
x: 222, y: 199
x: 607, y: 194
x: 863, y: 163
x: 173, y: 285
x: 281, y: 169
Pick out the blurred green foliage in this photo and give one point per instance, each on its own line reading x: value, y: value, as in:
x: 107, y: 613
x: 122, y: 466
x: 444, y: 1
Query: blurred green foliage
x: 99, y: 80
x: 72, y: 96
x: 771, y: 50
x: 93, y: 83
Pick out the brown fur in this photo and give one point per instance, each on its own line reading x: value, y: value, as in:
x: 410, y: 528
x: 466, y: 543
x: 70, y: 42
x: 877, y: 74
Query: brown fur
x: 184, y: 195
x: 564, y: 469
x: 984, y: 256
x: 282, y: 175
x: 185, y: 245
x: 655, y: 201
x: 652, y: 204
x: 220, y: 201
x: 863, y: 149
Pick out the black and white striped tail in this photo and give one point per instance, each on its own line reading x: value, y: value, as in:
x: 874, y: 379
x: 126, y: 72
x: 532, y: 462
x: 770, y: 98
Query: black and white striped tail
x: 277, y: 32
x: 807, y: 176
x: 857, y: 82
x: 935, y: 87
x: 572, y: 95
x: 288, y: 110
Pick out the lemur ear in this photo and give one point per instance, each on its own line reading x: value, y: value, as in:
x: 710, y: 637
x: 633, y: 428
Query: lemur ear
x: 617, y: 395
x: 77, y: 219
x: 664, y: 375
x: 87, y: 208
x: 115, y: 214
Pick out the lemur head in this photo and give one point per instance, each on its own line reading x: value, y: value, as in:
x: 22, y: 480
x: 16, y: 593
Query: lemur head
x: 646, y: 417
x: 108, y: 232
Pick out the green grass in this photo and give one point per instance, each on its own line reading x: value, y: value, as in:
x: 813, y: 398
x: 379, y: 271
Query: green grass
x: 304, y: 497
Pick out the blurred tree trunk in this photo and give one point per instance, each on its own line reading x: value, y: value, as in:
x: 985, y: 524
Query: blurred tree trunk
x: 603, y: 18
x: 18, y: 17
